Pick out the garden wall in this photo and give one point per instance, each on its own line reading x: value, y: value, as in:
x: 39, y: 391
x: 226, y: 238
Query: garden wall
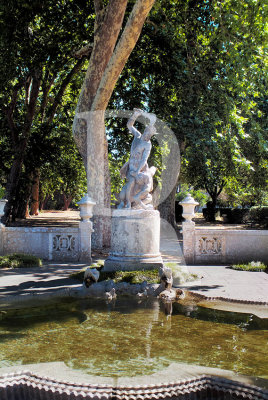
x: 59, y: 244
x: 223, y: 246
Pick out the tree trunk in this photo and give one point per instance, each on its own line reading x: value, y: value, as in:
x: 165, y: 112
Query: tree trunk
x: 27, y: 214
x: 21, y: 203
x: 106, y: 64
x: 20, y: 142
x: 43, y: 202
x: 167, y: 208
x: 169, y: 176
x: 35, y: 192
x: 12, y: 182
x: 211, y: 205
x: 66, y: 201
x: 98, y: 179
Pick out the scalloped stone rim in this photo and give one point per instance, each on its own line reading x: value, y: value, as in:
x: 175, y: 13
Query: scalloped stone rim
x: 24, y: 385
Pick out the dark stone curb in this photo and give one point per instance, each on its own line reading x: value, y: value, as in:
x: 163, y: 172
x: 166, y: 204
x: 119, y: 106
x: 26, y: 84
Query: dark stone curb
x: 202, y: 296
x: 25, y: 385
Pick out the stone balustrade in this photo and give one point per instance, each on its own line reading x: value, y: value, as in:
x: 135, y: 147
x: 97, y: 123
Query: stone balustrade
x: 52, y: 243
x: 208, y: 245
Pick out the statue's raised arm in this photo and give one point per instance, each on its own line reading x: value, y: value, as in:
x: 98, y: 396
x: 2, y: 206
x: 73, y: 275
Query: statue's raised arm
x: 131, y: 122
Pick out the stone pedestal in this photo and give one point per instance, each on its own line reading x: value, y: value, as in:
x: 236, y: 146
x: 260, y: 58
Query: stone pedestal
x: 188, y: 231
x: 85, y: 228
x: 135, y: 241
x: 188, y: 228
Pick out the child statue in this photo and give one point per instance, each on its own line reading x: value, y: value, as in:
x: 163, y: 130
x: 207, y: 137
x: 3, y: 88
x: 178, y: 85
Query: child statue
x: 139, y: 185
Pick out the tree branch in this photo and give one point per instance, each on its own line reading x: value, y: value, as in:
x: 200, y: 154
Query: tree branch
x: 105, y: 38
x: 27, y: 89
x: 208, y: 190
x: 64, y: 84
x: 122, y: 52
x: 153, y: 24
x: 36, y: 82
x: 221, y: 188
x: 84, y: 51
x: 46, y: 89
x: 10, y: 110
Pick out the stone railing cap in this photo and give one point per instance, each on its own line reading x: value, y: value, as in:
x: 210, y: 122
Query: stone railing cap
x: 188, y: 200
x: 86, y: 200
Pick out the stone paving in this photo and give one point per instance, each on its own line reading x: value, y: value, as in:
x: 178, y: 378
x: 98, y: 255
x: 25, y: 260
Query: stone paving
x: 213, y: 281
x: 222, y: 281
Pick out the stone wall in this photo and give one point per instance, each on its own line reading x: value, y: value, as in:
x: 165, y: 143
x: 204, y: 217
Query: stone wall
x: 223, y: 246
x: 59, y: 244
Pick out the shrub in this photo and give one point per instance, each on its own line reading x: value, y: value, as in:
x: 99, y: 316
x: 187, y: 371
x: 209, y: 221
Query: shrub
x: 256, y: 266
x: 258, y: 215
x: 17, y: 260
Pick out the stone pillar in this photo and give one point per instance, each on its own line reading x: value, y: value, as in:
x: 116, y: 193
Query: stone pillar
x: 85, y: 228
x: 135, y: 240
x: 188, y: 228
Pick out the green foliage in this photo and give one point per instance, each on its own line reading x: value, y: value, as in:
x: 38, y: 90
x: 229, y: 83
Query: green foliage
x: 38, y: 45
x: 2, y: 192
x: 64, y: 171
x: 254, y: 266
x: 115, y: 164
x: 133, y: 277
x: 198, y: 195
x: 201, y: 67
x: 18, y: 260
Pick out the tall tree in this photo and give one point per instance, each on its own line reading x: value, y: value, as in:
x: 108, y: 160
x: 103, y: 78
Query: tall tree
x: 43, y: 46
x: 200, y: 64
x: 108, y: 58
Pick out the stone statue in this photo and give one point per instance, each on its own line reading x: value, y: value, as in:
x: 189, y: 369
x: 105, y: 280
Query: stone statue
x: 139, y: 185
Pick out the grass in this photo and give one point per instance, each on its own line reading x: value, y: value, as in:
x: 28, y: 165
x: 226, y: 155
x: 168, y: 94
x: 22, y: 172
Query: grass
x: 256, y: 266
x: 151, y: 276
x: 18, y: 260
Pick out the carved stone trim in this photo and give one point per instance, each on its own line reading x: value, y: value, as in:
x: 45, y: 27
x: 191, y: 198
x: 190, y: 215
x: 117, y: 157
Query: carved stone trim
x: 210, y: 245
x: 64, y: 246
x: 24, y: 384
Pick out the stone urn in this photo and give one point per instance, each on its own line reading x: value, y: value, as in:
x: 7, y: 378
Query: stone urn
x: 188, y: 204
x: 86, y: 205
x: 2, y: 206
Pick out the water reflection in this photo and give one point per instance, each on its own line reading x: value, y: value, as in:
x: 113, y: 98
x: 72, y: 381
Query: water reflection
x: 130, y: 337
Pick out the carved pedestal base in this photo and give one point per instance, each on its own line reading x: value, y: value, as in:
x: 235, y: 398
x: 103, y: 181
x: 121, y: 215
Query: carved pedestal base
x: 135, y: 241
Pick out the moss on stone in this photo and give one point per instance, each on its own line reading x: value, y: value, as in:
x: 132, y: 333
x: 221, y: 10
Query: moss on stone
x: 151, y: 276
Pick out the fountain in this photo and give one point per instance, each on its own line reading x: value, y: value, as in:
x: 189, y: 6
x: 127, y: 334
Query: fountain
x: 135, y: 224
x: 126, y: 348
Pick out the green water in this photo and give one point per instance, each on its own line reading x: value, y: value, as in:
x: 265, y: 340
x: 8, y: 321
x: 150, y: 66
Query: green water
x: 128, y: 339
